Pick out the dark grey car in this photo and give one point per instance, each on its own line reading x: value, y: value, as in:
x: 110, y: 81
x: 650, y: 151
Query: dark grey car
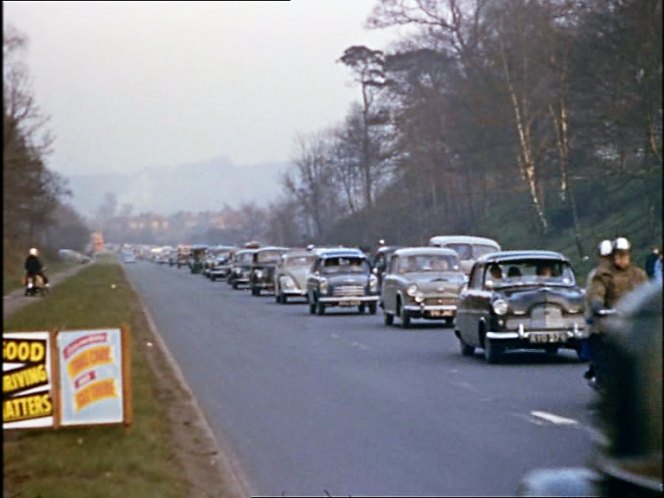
x: 520, y: 300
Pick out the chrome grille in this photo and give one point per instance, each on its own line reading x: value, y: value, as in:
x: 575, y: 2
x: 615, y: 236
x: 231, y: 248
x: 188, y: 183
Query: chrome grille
x: 348, y: 291
x: 441, y: 301
x: 546, y: 316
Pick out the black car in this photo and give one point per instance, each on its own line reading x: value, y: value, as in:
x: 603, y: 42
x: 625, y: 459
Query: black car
x: 263, y: 264
x: 240, y: 273
x: 520, y: 300
x: 342, y: 277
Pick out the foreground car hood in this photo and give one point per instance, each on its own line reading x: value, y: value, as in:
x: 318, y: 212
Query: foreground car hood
x: 348, y: 279
x: 300, y: 276
x: 437, y: 283
x: 522, y: 299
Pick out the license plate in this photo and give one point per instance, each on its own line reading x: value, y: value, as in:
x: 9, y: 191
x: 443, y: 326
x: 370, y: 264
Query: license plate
x: 350, y: 303
x: 440, y: 313
x: 543, y: 338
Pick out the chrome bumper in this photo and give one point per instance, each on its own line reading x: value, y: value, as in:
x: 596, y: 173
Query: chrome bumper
x: 521, y: 334
x: 431, y: 307
x: 349, y: 299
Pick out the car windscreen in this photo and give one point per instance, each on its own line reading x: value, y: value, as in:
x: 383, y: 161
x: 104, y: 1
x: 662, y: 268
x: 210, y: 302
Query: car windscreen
x: 299, y: 262
x: 244, y: 258
x: 464, y: 251
x: 345, y: 265
x: 427, y: 262
x: 268, y: 256
x: 530, y: 271
x: 481, y: 250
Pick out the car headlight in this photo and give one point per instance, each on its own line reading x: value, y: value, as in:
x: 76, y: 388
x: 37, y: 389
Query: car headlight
x: 258, y: 274
x: 287, y: 282
x: 373, y: 283
x: 411, y: 290
x: 500, y: 306
x: 419, y: 297
x: 237, y: 271
x: 323, y: 286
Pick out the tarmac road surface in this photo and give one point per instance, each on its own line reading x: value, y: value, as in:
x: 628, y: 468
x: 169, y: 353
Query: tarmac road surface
x: 342, y: 405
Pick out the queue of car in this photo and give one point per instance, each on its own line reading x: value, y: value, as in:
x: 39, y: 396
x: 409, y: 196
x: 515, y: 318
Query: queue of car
x: 494, y: 300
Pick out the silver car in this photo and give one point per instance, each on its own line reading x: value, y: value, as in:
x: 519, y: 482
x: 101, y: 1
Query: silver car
x: 468, y: 247
x: 422, y: 282
x: 290, y: 276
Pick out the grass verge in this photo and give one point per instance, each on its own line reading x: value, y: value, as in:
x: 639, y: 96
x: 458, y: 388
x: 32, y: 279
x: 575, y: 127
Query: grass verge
x: 96, y: 461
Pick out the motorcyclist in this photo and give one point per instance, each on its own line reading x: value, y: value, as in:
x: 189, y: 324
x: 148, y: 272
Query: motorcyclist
x: 607, y: 285
x: 33, y: 267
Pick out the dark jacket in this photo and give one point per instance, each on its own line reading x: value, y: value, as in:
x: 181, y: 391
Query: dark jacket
x: 32, y: 265
x: 650, y: 264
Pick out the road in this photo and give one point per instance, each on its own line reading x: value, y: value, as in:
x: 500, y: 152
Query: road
x: 343, y: 405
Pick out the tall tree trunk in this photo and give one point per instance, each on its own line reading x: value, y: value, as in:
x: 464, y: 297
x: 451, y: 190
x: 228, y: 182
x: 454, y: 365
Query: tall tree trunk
x: 560, y: 120
x: 525, y: 157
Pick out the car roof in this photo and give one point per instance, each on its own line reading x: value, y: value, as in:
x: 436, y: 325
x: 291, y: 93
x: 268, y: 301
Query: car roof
x: 272, y: 248
x: 298, y: 254
x: 462, y: 239
x: 388, y: 248
x: 523, y: 254
x: 341, y: 252
x: 418, y: 251
x: 245, y: 251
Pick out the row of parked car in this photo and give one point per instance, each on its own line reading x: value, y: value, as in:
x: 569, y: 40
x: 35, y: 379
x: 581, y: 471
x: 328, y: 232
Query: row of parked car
x: 495, y: 300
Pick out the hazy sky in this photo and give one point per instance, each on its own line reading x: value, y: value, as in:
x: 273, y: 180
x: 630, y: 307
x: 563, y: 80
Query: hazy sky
x: 135, y: 84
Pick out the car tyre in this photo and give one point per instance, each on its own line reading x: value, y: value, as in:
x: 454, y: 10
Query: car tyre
x: 312, y: 306
x: 320, y: 308
x: 284, y: 299
x: 234, y: 285
x: 492, y: 351
x: 373, y: 308
x: 388, y: 318
x: 405, y: 318
x: 361, y: 308
x: 466, y: 350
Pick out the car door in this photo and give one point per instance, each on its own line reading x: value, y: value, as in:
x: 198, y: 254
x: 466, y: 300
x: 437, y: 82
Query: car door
x: 388, y: 289
x: 468, y: 304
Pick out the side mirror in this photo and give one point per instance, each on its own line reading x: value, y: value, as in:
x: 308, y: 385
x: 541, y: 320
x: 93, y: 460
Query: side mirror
x: 489, y: 285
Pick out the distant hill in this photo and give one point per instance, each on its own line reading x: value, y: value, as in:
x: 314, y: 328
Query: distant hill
x: 200, y: 186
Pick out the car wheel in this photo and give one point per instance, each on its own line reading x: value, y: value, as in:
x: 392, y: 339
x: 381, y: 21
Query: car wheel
x: 312, y: 307
x: 405, y: 318
x: 284, y: 299
x: 277, y: 297
x: 492, y: 351
x: 234, y: 285
x: 466, y: 350
x: 361, y: 308
x: 320, y: 308
x: 388, y: 318
x: 255, y: 291
x: 372, y: 309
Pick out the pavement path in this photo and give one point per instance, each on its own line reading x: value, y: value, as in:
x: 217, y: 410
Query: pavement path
x: 17, y: 299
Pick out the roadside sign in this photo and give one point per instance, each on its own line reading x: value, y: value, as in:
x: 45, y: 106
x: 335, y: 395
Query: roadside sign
x: 27, y: 380
x: 94, y: 378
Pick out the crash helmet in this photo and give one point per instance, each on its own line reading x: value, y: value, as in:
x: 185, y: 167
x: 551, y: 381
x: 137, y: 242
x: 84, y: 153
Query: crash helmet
x: 605, y: 248
x: 630, y: 404
x: 621, y: 244
x: 34, y: 251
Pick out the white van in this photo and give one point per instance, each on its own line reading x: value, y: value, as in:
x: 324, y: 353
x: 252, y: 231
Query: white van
x: 468, y: 247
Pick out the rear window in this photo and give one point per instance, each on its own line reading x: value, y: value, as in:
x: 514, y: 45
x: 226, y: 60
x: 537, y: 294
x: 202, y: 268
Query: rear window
x: 299, y: 262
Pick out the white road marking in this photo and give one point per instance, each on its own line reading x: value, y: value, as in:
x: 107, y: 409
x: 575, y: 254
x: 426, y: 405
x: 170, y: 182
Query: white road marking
x: 554, y: 419
x: 359, y: 345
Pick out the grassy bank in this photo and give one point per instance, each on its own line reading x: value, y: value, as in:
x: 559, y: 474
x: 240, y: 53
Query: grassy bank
x: 96, y: 461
